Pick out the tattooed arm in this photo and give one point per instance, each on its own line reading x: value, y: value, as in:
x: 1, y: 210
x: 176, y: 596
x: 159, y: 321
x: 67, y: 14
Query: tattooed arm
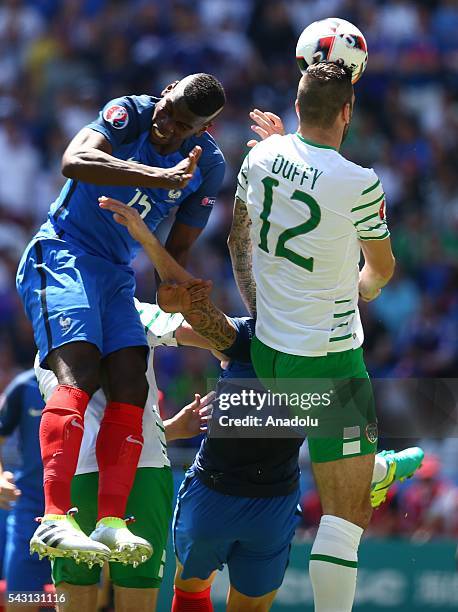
x: 212, y: 324
x: 192, y: 300
x: 240, y: 249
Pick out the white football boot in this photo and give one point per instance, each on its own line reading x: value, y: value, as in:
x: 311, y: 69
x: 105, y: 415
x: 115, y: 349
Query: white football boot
x: 125, y: 547
x: 59, y: 535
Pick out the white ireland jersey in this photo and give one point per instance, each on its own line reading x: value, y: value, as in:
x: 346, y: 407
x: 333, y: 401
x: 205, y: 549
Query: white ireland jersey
x: 160, y: 327
x: 309, y: 207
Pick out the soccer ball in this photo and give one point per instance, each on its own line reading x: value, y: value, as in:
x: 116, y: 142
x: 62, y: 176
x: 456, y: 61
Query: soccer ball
x: 332, y: 39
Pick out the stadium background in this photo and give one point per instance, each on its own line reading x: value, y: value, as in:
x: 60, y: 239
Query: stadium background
x: 60, y: 60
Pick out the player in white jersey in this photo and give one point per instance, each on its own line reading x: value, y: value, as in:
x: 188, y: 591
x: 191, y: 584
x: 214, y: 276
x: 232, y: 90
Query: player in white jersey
x: 150, y: 501
x: 302, y: 216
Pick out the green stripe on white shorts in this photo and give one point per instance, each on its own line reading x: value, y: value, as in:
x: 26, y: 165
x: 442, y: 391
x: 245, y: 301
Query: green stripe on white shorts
x: 348, y: 427
x: 150, y: 502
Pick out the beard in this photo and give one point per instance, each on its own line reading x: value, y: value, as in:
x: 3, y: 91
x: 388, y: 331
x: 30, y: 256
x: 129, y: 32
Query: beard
x: 347, y: 126
x: 345, y: 132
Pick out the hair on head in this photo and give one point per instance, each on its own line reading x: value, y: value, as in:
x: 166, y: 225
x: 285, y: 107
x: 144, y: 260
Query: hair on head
x: 323, y: 91
x: 204, y: 95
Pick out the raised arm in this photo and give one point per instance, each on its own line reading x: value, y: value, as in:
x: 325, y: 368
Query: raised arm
x: 89, y: 158
x: 240, y: 249
x: 166, y: 266
x: 180, y: 292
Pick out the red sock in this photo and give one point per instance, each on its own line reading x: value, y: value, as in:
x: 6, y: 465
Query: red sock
x: 61, y: 432
x: 118, y: 448
x: 192, y: 602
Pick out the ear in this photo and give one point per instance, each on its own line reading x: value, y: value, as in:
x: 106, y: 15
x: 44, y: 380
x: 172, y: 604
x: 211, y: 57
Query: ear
x: 346, y: 112
x: 204, y: 128
x: 296, y: 106
x: 169, y: 88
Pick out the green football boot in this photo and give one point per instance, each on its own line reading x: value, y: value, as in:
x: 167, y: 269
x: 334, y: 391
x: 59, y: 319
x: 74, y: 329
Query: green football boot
x: 401, y: 465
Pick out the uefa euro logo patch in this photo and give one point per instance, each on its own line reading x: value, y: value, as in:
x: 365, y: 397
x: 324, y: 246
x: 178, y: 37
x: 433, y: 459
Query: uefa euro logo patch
x: 117, y: 116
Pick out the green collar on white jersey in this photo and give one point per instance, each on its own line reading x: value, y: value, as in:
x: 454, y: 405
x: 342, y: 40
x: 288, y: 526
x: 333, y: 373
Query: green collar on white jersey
x: 314, y: 144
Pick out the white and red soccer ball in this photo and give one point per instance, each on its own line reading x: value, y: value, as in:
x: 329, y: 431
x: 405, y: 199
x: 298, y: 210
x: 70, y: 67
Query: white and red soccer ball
x: 332, y: 39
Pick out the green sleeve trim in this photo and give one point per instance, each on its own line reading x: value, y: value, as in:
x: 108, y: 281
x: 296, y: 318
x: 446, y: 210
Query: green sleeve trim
x: 370, y: 203
x: 334, y: 560
x: 374, y: 227
x: 382, y: 237
x: 155, y: 316
x: 341, y: 301
x: 372, y: 187
x: 366, y: 219
x: 343, y: 314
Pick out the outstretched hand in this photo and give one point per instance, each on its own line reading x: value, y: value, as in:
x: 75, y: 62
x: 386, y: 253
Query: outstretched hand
x: 172, y: 297
x: 266, y: 124
x: 180, y: 175
x: 192, y: 420
x: 127, y: 216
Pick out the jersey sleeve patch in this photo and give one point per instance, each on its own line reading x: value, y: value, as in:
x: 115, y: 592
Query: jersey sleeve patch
x: 196, y: 208
x: 117, y: 116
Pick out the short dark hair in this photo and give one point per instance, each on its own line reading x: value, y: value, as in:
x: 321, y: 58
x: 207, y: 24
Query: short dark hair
x: 204, y: 95
x: 323, y: 90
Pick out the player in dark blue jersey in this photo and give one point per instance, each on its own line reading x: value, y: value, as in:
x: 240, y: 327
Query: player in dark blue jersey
x: 238, y: 504
x: 77, y: 288
x: 20, y: 410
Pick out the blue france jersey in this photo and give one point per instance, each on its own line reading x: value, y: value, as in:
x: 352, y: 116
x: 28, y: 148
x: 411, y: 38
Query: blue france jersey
x: 126, y: 124
x: 246, y: 467
x: 21, y: 407
x: 239, y: 353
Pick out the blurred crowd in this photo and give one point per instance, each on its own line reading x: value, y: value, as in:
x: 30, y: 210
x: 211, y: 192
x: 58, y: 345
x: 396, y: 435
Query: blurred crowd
x: 61, y: 60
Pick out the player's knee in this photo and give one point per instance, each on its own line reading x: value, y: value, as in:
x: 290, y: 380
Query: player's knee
x: 192, y: 585
x: 77, y: 365
x: 365, y: 516
x: 81, y: 376
x: 131, y: 388
x: 237, y: 601
x: 359, y: 514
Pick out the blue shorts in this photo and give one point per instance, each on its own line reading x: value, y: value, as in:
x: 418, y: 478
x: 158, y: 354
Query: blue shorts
x: 71, y: 296
x: 251, y: 535
x: 22, y: 571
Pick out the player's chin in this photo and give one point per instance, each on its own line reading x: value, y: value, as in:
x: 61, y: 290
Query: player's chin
x: 159, y: 141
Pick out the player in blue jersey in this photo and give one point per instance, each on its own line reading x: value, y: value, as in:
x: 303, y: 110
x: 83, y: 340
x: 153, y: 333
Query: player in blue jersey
x: 20, y: 410
x: 77, y: 287
x: 238, y: 502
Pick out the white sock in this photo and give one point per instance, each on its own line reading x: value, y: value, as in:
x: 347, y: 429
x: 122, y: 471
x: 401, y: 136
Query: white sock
x: 333, y: 564
x: 380, y: 469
